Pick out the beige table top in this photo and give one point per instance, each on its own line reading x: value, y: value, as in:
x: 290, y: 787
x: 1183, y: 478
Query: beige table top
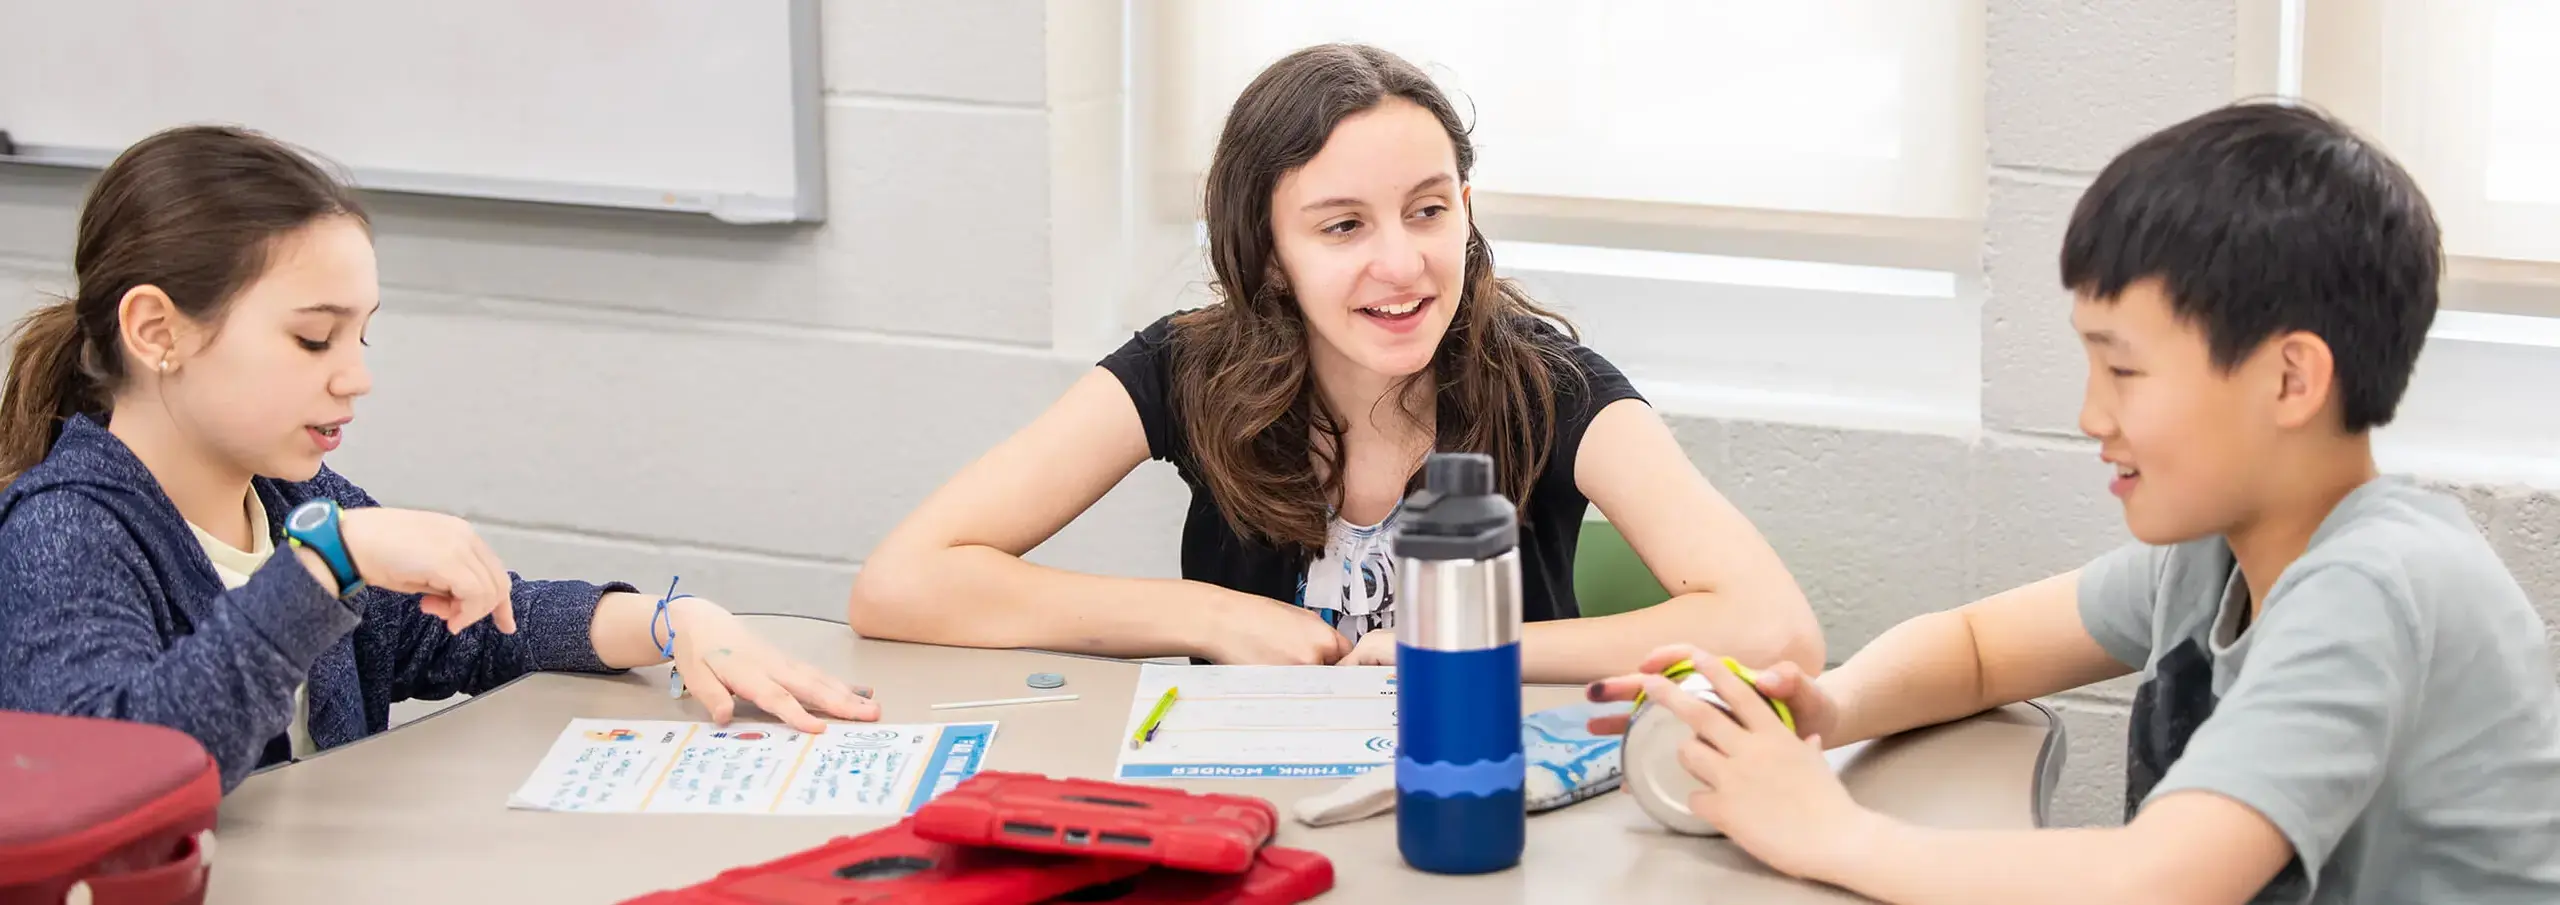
x: 418, y: 814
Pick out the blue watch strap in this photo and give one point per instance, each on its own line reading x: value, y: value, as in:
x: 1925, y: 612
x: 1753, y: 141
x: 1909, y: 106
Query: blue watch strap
x: 315, y: 525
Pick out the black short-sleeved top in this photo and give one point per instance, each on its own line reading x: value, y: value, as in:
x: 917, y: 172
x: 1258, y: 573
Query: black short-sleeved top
x: 1213, y: 552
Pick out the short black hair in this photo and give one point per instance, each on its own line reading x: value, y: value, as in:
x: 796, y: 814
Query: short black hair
x: 2266, y: 217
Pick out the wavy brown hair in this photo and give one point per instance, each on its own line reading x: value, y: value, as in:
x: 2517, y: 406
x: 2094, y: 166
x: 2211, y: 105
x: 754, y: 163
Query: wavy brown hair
x: 1242, y: 384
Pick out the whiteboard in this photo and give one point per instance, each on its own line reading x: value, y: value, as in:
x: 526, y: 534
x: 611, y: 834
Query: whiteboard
x: 707, y: 106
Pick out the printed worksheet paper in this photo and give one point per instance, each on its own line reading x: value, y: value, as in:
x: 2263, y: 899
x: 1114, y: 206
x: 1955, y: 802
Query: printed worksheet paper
x: 1262, y: 722
x: 674, y: 767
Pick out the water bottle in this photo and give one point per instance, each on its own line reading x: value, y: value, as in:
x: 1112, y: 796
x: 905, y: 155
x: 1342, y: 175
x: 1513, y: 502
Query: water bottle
x: 1459, y: 768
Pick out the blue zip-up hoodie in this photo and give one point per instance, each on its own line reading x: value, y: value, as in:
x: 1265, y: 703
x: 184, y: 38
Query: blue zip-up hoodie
x: 110, y: 608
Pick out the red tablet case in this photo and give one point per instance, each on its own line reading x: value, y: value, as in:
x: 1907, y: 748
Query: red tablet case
x: 1280, y: 876
x: 120, y: 806
x: 1106, y: 820
x: 894, y: 866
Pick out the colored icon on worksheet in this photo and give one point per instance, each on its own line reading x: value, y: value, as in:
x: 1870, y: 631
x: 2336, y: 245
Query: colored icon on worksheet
x: 746, y: 736
x: 613, y: 735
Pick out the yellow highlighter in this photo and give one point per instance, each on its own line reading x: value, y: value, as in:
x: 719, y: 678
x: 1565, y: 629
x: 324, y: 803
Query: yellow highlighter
x: 1147, y: 730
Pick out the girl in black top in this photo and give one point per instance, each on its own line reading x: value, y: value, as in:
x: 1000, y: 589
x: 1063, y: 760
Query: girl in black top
x: 1360, y: 328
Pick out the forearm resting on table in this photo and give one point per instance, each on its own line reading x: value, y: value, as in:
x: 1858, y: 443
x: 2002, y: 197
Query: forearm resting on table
x: 1920, y: 673
x: 1916, y: 865
x: 1573, y: 651
x: 2189, y: 847
x: 979, y: 596
x: 2013, y: 646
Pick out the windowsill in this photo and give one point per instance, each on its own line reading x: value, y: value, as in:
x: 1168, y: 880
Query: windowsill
x: 1859, y: 347
x: 2496, y: 327
x: 2448, y: 463
x: 2475, y: 409
x: 1724, y: 270
x: 1802, y: 342
x: 2505, y: 287
x: 1724, y: 402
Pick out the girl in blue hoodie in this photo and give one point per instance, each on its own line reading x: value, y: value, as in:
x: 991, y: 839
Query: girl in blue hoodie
x: 172, y: 550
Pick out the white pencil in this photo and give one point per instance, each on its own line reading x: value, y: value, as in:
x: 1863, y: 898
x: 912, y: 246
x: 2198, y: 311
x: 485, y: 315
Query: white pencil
x: 1042, y: 699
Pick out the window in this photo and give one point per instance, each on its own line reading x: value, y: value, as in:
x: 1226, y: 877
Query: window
x: 2466, y: 94
x: 1748, y: 206
x: 1842, y: 106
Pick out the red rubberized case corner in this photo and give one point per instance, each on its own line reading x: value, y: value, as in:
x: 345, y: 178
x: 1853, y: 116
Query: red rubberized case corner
x: 894, y: 866
x: 1103, y: 820
x: 1280, y: 876
x: 124, y: 807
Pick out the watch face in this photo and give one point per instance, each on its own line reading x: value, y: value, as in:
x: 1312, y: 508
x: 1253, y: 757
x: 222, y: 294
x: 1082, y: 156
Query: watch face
x: 308, y: 517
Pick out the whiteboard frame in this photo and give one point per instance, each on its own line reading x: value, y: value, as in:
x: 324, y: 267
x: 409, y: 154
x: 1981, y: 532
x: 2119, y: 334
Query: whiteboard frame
x: 807, y: 204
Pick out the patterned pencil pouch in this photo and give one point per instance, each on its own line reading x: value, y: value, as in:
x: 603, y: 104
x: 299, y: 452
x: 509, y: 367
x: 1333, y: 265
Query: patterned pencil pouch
x: 1566, y: 764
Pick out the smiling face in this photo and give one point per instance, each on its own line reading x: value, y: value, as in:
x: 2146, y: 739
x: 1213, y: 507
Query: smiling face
x: 271, y: 391
x: 1371, y: 236
x: 2189, y: 440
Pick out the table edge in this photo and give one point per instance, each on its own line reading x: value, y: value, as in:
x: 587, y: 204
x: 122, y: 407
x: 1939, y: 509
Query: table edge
x: 502, y: 686
x: 2048, y: 767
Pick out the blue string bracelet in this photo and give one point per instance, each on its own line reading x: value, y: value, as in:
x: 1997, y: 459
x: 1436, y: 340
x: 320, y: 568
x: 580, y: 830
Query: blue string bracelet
x: 667, y: 648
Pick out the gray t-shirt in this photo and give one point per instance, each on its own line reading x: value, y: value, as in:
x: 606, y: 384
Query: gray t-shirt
x: 2392, y: 711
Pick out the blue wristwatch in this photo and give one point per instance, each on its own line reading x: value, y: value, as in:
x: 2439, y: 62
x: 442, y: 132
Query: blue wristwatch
x: 315, y: 525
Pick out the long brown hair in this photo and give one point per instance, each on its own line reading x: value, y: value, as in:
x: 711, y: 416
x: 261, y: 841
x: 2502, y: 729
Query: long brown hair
x: 1242, y: 383
x: 193, y: 211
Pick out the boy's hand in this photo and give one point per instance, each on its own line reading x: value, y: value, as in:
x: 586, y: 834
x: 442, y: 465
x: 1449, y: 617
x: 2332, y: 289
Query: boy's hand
x: 1805, y: 699
x: 1814, y: 711
x: 1773, y: 794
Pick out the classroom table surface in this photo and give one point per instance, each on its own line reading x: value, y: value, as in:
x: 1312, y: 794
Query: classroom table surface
x: 419, y: 814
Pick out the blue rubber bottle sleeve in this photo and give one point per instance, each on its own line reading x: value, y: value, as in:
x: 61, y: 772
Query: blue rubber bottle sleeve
x: 1460, y: 774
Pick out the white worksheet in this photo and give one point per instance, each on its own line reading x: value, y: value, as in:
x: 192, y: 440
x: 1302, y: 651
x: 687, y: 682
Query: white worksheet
x: 674, y: 767
x: 1262, y: 722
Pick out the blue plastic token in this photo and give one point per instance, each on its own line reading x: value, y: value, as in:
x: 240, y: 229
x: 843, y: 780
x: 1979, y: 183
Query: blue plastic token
x: 1045, y: 680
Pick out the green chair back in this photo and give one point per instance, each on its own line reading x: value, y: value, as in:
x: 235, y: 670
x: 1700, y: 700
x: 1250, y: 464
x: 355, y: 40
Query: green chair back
x: 1607, y: 577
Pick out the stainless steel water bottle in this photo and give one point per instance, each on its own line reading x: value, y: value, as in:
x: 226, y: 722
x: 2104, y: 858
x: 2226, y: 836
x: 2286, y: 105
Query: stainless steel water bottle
x: 1459, y: 768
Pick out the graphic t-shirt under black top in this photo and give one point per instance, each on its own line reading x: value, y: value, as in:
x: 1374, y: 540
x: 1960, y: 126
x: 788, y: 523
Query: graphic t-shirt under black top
x: 1213, y: 552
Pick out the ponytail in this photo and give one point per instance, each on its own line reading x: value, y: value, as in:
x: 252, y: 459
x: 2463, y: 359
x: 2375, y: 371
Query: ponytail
x: 192, y: 211
x: 46, y: 384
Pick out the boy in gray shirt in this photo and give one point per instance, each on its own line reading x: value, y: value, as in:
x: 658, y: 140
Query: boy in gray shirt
x: 2394, y: 722
x: 2345, y: 697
